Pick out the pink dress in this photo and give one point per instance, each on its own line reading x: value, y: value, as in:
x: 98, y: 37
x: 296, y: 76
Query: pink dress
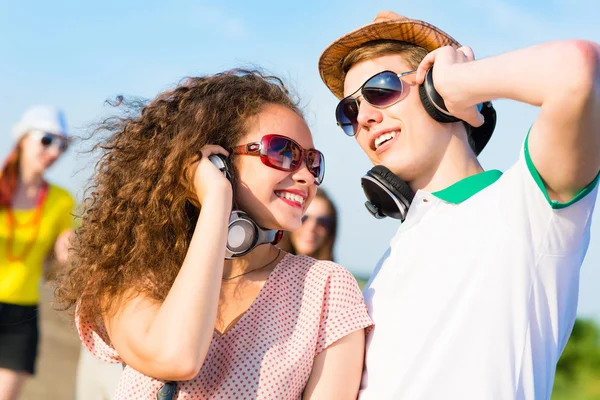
x: 304, y: 306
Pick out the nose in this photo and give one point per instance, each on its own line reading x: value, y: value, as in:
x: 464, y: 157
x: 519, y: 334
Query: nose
x: 310, y: 225
x: 368, y: 115
x: 52, y: 152
x: 303, y: 176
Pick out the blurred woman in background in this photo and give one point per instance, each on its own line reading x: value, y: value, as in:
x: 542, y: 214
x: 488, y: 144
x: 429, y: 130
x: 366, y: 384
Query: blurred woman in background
x: 316, y: 237
x: 35, y: 226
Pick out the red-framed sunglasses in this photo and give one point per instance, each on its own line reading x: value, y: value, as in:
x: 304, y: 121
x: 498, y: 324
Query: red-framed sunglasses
x: 284, y: 154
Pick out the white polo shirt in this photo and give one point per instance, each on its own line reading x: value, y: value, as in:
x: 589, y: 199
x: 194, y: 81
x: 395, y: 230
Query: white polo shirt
x: 476, y: 297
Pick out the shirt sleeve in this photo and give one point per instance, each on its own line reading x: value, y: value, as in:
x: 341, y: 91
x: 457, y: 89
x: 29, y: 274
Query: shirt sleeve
x: 567, y: 224
x: 95, y: 339
x: 343, y: 311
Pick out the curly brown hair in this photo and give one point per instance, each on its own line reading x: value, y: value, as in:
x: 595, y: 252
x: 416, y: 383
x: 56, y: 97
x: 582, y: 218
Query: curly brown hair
x: 137, y: 217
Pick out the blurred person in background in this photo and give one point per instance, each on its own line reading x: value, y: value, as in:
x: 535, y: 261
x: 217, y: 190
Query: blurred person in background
x: 36, y: 222
x: 96, y: 379
x: 316, y: 237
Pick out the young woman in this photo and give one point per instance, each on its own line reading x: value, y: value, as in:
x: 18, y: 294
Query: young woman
x: 35, y: 226
x: 150, y: 281
x: 316, y: 237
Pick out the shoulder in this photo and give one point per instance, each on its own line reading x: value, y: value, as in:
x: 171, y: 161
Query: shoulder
x: 321, y: 268
x: 319, y: 273
x: 60, y: 195
x: 59, y: 192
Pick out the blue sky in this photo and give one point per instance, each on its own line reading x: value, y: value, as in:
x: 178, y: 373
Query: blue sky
x: 75, y: 55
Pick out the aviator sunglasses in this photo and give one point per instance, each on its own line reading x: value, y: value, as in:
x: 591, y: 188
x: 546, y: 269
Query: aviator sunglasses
x: 284, y: 154
x: 49, y: 139
x: 381, y: 90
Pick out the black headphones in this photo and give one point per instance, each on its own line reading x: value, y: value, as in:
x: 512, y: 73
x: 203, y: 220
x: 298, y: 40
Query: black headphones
x: 243, y: 234
x: 387, y: 194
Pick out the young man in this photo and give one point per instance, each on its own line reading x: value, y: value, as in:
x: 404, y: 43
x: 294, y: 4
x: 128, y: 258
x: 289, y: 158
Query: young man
x: 477, y: 294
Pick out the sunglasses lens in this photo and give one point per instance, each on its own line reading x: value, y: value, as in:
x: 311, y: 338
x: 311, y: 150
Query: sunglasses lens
x: 322, y: 222
x: 47, y: 140
x: 346, y: 115
x: 383, y: 89
x: 315, y: 161
x: 283, y: 153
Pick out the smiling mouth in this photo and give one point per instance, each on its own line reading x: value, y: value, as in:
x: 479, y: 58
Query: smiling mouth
x: 291, y: 197
x: 386, y: 137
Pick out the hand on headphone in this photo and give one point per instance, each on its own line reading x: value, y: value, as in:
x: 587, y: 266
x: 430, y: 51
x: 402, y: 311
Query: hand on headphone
x: 206, y: 177
x: 457, y: 103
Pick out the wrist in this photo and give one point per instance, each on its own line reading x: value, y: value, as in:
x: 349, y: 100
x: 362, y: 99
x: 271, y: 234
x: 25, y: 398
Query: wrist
x: 218, y: 200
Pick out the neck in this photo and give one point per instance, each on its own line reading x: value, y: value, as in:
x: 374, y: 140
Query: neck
x: 28, y: 177
x: 256, y: 259
x: 29, y: 181
x: 457, y: 163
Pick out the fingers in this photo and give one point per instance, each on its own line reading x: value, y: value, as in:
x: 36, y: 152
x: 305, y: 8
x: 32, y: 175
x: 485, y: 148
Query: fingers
x: 213, y: 149
x: 425, y: 65
x: 446, y: 55
x: 386, y: 16
x: 473, y: 117
x: 468, y: 52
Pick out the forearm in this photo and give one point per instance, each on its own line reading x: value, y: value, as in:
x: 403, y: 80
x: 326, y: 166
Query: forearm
x: 169, y: 340
x: 533, y: 75
x: 337, y: 370
x: 185, y: 320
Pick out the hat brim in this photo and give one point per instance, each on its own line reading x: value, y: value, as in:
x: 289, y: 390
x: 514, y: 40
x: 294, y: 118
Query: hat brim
x: 408, y: 30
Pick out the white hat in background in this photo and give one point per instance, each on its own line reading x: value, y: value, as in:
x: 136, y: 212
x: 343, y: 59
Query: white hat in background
x: 43, y: 118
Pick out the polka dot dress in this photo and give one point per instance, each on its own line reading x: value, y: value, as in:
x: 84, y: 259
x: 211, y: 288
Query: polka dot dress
x: 304, y: 306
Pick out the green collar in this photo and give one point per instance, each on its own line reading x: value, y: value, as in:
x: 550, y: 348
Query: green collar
x: 467, y: 187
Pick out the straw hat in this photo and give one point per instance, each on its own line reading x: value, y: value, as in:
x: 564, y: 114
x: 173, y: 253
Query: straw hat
x: 388, y: 25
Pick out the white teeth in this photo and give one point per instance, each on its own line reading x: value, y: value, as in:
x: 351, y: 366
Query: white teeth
x: 290, y: 196
x: 384, y: 138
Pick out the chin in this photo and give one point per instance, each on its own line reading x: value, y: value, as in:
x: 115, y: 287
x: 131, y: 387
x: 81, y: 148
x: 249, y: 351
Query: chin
x: 284, y: 224
x: 403, y: 167
x: 291, y: 226
x: 394, y: 166
x: 305, y: 251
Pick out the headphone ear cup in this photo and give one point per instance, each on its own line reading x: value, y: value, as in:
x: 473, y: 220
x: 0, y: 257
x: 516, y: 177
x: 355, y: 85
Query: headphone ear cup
x: 391, y: 181
x: 387, y: 195
x: 428, y: 96
x: 241, y: 234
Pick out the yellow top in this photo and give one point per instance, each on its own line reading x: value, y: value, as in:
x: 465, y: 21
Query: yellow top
x: 19, y: 279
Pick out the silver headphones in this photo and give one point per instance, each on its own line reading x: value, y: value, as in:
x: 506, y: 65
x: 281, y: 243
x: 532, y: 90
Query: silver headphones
x: 243, y: 234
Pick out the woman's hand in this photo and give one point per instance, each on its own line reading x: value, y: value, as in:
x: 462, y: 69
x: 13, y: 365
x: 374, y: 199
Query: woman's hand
x: 61, y: 246
x: 207, y: 179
